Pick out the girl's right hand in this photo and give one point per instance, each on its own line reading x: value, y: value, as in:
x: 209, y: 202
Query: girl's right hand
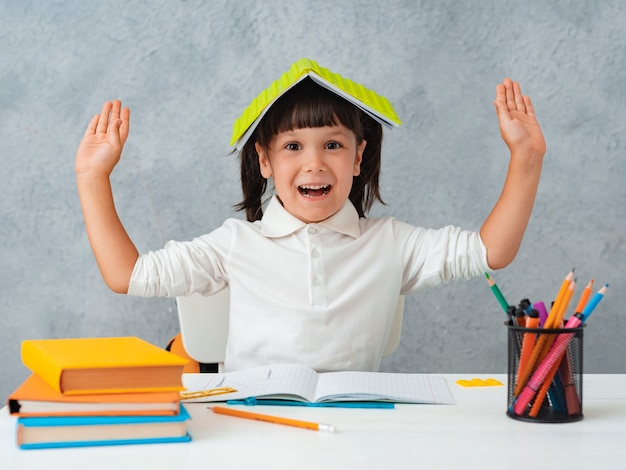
x: 101, y: 146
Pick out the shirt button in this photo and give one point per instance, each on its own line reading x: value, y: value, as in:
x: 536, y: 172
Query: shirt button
x: 312, y: 229
x: 315, y: 253
x: 316, y: 281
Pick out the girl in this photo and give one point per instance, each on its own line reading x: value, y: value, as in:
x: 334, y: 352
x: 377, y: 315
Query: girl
x: 312, y: 281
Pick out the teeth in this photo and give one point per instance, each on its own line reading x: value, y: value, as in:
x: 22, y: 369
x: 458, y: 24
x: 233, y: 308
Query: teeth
x: 311, y: 190
x: 315, y: 186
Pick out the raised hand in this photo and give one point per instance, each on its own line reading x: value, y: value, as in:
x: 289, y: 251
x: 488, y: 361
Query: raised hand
x: 518, y: 124
x: 101, y: 146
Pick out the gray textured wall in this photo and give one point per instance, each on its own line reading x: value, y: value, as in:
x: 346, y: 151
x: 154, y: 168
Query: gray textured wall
x: 188, y: 68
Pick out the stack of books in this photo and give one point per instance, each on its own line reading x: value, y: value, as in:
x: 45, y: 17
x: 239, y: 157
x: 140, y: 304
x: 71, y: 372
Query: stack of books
x: 98, y: 391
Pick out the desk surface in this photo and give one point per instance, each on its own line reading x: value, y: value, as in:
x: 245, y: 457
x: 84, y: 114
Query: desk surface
x: 474, y: 433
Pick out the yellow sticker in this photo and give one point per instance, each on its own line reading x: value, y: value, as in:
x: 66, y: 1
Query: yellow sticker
x: 489, y: 382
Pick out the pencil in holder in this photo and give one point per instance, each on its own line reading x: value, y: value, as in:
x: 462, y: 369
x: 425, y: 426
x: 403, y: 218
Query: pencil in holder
x: 545, y: 374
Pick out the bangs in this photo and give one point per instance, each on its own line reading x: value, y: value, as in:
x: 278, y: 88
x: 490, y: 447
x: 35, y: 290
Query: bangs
x: 308, y: 105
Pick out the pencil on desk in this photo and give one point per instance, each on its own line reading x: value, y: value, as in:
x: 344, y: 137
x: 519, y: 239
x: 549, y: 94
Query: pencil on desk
x: 273, y: 419
x: 206, y: 393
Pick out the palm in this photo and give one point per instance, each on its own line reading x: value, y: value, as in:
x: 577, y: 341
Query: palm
x: 102, y: 144
x: 518, y: 124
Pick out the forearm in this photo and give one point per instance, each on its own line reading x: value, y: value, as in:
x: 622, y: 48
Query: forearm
x: 504, y: 228
x: 114, y: 251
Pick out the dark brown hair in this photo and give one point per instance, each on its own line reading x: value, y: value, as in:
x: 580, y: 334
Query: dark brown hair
x: 308, y: 104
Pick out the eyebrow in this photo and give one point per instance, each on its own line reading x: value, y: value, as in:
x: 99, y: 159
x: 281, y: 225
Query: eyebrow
x: 331, y: 133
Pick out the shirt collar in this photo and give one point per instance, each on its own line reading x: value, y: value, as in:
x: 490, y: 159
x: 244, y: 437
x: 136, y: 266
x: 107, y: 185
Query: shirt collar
x: 277, y: 222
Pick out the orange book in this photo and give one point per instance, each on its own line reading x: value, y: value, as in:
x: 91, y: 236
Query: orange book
x: 76, y: 366
x: 34, y: 397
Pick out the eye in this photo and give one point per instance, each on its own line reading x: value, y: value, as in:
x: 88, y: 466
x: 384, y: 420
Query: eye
x: 333, y: 145
x: 292, y: 146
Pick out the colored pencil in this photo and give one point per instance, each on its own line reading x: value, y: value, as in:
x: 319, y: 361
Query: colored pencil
x: 498, y: 293
x: 584, y: 298
x: 273, y: 419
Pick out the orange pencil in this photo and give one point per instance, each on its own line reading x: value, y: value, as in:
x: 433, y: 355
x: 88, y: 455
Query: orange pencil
x: 584, y: 298
x: 560, y: 314
x: 551, y: 321
x: 273, y: 419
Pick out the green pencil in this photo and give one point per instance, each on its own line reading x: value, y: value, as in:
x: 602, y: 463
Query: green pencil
x: 496, y: 291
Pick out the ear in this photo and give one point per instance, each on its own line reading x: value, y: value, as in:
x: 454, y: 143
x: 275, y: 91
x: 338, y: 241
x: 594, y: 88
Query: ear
x: 359, y: 158
x: 264, y: 161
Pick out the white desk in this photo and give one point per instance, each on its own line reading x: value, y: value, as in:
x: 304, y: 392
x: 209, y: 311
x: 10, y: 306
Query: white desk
x: 474, y: 433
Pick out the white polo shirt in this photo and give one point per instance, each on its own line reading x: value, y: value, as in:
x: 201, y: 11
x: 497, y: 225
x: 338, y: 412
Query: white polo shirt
x: 321, y: 294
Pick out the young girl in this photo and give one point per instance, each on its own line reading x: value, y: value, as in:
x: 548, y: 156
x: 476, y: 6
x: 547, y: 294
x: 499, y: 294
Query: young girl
x: 311, y: 280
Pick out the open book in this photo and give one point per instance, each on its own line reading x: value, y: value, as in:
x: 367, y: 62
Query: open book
x: 377, y: 106
x: 301, y: 383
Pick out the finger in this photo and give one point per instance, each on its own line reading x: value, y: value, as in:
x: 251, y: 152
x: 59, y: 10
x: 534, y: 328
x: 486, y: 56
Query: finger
x: 125, y: 126
x: 530, y: 109
x: 116, y: 123
x: 510, y: 95
x: 500, y: 93
x: 519, y: 98
x: 103, y: 121
x: 113, y: 134
x: 502, y: 110
x: 91, y: 127
x: 115, y: 110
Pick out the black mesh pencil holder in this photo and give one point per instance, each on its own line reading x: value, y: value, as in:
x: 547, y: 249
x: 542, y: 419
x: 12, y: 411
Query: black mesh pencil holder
x: 545, y: 374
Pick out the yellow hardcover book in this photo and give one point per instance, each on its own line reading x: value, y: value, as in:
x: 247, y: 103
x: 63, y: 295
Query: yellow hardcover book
x: 103, y: 365
x: 377, y: 106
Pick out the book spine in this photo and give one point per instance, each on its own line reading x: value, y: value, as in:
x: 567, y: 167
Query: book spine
x: 40, y: 363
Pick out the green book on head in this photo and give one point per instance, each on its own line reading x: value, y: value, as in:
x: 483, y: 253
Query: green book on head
x: 377, y: 106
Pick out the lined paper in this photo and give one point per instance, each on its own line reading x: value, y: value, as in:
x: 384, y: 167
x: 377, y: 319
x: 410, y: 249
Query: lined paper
x: 297, y: 382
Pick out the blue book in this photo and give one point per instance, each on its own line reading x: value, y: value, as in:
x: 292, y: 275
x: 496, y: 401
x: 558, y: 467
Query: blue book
x: 82, y: 431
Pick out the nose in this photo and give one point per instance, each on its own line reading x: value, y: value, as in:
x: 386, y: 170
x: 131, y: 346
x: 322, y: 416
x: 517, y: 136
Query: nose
x: 314, y: 161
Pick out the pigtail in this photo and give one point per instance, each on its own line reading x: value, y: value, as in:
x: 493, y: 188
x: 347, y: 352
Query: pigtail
x: 365, y: 187
x: 253, y: 184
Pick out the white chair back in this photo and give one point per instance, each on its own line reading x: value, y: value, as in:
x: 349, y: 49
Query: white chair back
x: 204, y: 326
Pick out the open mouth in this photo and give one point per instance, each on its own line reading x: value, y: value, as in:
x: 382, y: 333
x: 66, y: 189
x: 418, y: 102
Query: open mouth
x: 314, y: 190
